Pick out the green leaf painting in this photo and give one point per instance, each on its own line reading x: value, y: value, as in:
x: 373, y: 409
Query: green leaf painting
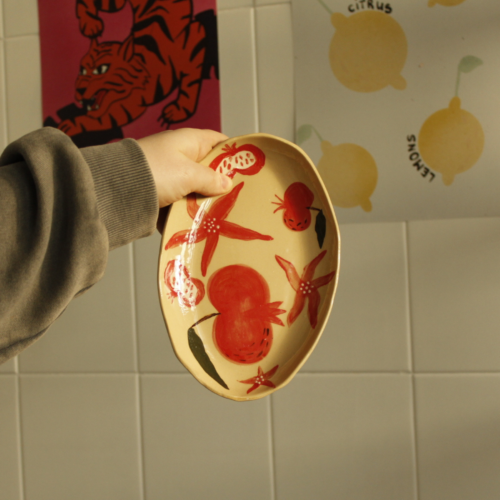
x: 320, y: 228
x: 198, y: 350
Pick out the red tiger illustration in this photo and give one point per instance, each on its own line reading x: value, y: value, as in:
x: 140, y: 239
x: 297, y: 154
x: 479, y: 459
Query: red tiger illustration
x: 164, y: 53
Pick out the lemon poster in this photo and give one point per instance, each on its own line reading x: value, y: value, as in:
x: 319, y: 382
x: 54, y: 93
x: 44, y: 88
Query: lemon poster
x: 397, y: 104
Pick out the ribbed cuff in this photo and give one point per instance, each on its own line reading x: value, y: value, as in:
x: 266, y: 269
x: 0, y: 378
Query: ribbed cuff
x: 126, y: 193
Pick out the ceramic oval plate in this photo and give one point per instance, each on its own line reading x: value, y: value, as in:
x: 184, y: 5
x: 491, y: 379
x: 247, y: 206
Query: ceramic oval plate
x: 247, y: 279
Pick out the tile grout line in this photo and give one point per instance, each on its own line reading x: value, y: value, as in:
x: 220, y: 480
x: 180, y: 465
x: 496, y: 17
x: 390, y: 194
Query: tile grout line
x: 133, y: 299
x: 140, y: 437
x: 20, y: 459
x: 412, y: 361
x: 255, y: 78
x: 272, y: 447
x: 411, y: 351
x: 415, y: 440
x: 3, y: 96
x: 5, y: 89
x: 24, y: 35
x: 142, y: 485
x: 300, y: 374
x: 294, y: 95
x: 381, y: 373
x: 2, y: 6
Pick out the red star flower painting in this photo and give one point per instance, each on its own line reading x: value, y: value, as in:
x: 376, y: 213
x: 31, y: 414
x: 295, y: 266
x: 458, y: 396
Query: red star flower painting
x: 211, y: 224
x: 261, y: 379
x: 306, y: 288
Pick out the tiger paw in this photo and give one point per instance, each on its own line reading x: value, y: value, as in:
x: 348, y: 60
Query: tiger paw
x: 173, y: 113
x: 70, y: 128
x: 91, y: 27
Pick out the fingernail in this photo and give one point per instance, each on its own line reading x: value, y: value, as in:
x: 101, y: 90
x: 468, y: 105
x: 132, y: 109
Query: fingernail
x: 226, y: 182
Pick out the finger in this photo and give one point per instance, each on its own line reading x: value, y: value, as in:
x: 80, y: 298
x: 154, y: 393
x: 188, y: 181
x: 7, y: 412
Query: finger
x: 207, y: 182
x: 201, y: 142
x: 210, y: 139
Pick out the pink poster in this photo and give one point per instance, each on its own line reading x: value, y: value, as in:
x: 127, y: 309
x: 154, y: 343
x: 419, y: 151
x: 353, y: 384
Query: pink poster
x: 128, y: 68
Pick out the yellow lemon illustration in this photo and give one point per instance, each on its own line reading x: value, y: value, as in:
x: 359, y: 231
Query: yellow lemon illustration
x: 368, y: 51
x: 451, y: 141
x: 349, y: 173
x: 446, y: 3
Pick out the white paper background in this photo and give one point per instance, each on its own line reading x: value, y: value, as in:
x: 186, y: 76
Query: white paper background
x: 438, y: 38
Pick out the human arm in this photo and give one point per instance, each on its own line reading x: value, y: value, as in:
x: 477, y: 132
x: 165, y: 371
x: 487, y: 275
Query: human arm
x: 61, y: 210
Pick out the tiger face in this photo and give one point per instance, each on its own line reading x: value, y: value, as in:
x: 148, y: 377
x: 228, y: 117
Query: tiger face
x: 109, y: 73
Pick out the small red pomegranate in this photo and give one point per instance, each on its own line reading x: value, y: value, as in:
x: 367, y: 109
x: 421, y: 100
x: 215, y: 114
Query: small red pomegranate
x: 298, y: 199
x: 243, y: 332
x: 190, y: 291
x: 246, y: 159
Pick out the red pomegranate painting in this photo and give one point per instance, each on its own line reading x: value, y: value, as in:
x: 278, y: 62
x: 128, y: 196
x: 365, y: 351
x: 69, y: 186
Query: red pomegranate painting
x: 246, y: 159
x: 243, y: 330
x: 190, y: 291
x: 296, y: 204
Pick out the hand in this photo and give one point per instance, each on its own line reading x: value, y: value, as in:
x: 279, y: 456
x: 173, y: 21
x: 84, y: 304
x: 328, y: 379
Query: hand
x: 173, y: 157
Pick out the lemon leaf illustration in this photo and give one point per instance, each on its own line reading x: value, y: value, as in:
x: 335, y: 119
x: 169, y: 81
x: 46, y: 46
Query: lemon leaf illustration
x: 320, y: 227
x: 198, y: 350
x: 466, y: 65
x: 325, y: 6
x: 303, y: 133
x: 469, y: 63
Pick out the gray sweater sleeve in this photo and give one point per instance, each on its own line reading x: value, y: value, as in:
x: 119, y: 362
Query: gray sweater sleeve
x: 61, y: 210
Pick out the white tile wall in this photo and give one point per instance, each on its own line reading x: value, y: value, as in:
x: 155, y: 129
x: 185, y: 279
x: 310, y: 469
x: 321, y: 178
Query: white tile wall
x: 399, y: 402
x: 238, y: 80
x: 1, y: 20
x: 155, y: 353
x: 233, y: 4
x: 458, y: 429
x: 21, y: 17
x: 275, y: 70
x: 199, y: 446
x: 80, y: 437
x: 3, y: 116
x: 9, y: 366
x: 368, y: 329
x: 10, y: 450
x: 269, y: 2
x: 456, y: 320
x: 23, y: 83
x: 345, y: 436
x: 96, y: 333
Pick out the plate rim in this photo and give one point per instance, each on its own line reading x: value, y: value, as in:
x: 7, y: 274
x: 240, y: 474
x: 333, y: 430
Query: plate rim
x: 337, y: 257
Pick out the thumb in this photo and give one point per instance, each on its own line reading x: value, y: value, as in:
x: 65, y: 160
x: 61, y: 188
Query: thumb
x: 207, y: 182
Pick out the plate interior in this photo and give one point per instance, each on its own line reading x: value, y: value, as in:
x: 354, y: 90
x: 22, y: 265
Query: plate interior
x: 225, y: 326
